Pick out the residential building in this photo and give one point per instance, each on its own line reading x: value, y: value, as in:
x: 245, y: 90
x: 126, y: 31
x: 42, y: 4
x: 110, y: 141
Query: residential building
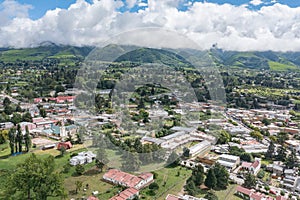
x: 252, y: 167
x: 229, y: 161
x: 128, y: 194
x: 82, y: 158
x: 118, y: 177
x: 248, y: 194
x: 200, y: 149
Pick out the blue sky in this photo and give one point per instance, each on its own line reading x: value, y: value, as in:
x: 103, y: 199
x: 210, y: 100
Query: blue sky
x: 40, y: 7
x: 232, y: 24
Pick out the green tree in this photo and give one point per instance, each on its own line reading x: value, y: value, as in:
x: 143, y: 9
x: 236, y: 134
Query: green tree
x: 191, y: 188
x: 27, y: 117
x: 186, y: 152
x: 198, y: 175
x: 27, y: 139
x: 35, y: 178
x: 257, y: 135
x: 79, y: 169
x: 8, y: 110
x: 78, y: 185
x: 16, y: 118
x: 282, y: 137
x: 271, y: 150
x: 6, y: 102
x: 250, y: 180
x: 281, y: 153
x: 266, y: 121
x: 2, y: 139
x: 222, y: 176
x: 18, y: 108
x: 62, y: 151
x: 291, y: 160
x: 101, y: 158
x: 59, y: 88
x: 223, y: 137
x: 173, y: 158
x: 12, y: 140
x: 154, y: 186
x: 211, y: 196
x: 43, y: 112
x: 66, y: 168
x: 211, y: 180
x: 132, y: 162
x: 246, y: 157
x: 19, y: 138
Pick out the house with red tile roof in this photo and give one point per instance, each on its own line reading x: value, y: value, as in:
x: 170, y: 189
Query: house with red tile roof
x: 246, y: 193
x: 128, y: 194
x: 92, y: 198
x: 172, y: 197
x: 281, y: 198
x: 118, y: 177
x: 66, y: 145
x: 252, y: 167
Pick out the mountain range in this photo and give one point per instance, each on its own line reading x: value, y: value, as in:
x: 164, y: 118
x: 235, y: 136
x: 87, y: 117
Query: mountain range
x: 277, y: 61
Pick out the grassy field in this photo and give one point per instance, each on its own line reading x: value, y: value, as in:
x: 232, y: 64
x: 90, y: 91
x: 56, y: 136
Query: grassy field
x: 269, y: 92
x: 275, y: 66
x: 228, y: 194
x: 170, y: 181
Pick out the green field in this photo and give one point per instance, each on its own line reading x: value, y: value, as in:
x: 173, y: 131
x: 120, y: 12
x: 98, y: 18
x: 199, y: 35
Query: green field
x: 275, y: 66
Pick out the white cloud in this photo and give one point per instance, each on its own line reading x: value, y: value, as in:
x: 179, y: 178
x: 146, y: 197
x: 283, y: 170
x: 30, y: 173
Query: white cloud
x: 273, y: 27
x: 256, y: 2
x: 10, y: 9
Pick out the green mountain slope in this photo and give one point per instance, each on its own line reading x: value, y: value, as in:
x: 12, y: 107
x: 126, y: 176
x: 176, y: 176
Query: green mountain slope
x: 68, y: 55
x: 43, y: 52
x: 277, y: 61
x: 160, y: 56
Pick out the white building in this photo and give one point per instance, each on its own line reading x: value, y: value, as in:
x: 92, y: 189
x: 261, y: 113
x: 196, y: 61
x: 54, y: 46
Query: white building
x: 229, y: 161
x: 82, y: 158
x: 200, y: 148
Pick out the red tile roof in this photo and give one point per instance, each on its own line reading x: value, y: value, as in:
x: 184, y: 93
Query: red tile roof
x: 246, y: 164
x: 92, y: 198
x: 124, y: 178
x: 126, y: 194
x: 172, y: 197
x: 281, y: 198
x: 257, y: 196
x: 145, y: 176
x: 255, y: 164
x: 243, y: 190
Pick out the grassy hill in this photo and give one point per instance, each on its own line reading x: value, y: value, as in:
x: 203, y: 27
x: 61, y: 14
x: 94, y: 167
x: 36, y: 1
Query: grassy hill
x: 275, y: 66
x: 160, y: 56
x: 276, y: 61
x: 68, y: 55
x: 43, y: 52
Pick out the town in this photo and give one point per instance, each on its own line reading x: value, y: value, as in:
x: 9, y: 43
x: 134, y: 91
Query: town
x: 166, y: 148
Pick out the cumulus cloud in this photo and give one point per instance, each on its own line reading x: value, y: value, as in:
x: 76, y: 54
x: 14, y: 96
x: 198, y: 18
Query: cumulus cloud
x: 256, y: 2
x: 275, y: 27
x: 10, y: 9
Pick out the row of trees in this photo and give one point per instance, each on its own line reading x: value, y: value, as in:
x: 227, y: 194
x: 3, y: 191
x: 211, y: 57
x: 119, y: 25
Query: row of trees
x: 35, y: 178
x: 216, y: 178
x: 16, y: 139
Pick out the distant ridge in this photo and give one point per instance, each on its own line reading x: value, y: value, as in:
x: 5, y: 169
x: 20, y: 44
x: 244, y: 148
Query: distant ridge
x: 277, y: 61
x: 149, y: 55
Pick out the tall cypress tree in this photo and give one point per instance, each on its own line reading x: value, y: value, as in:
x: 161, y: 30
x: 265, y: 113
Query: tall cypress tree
x: 211, y: 180
x: 12, y: 139
x: 27, y: 139
x: 19, y: 137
